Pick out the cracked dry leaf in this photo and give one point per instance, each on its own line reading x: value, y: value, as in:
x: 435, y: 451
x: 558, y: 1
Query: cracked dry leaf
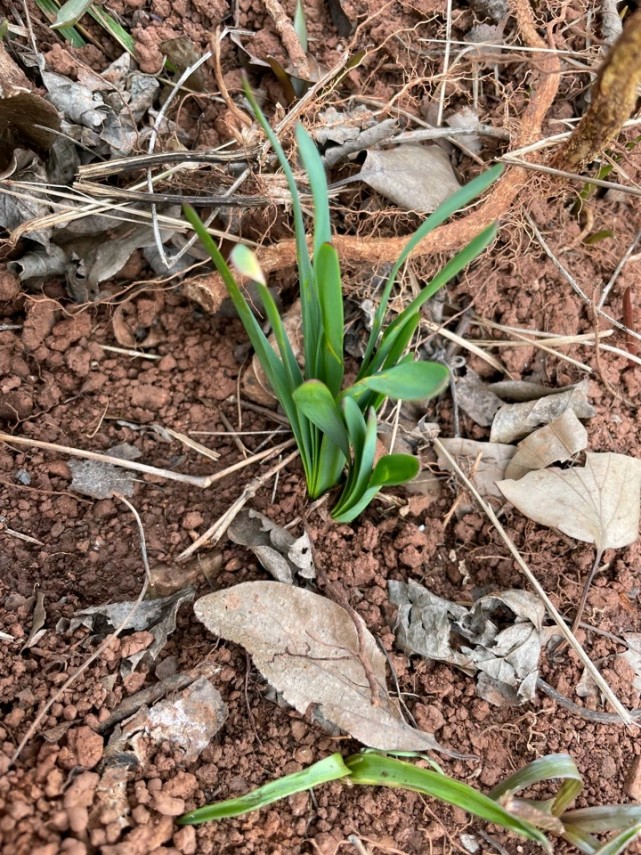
x: 156, y: 616
x: 597, y: 503
x: 499, y: 639
x: 514, y: 421
x: 306, y: 646
x: 554, y: 443
x: 280, y: 553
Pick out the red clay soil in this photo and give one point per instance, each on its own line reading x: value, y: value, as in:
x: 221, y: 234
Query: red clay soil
x: 60, y: 384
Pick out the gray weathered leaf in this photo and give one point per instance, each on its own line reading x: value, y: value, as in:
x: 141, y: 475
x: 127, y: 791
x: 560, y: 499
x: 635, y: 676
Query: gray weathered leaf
x: 278, y: 551
x: 476, y: 398
x: 102, y: 480
x: 307, y: 647
x: 597, y: 503
x: 515, y: 421
x: 414, y: 177
x: 501, y: 632
x: 156, y: 616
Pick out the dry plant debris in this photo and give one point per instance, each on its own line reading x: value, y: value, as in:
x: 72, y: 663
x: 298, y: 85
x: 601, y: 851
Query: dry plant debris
x: 307, y: 647
x: 280, y: 553
x: 597, y: 503
x: 499, y: 638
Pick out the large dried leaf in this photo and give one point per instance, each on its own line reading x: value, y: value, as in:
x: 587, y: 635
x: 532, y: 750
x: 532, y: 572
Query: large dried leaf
x: 499, y: 638
x: 554, y: 443
x: 597, y: 503
x: 416, y: 178
x: 307, y: 647
x: 515, y: 421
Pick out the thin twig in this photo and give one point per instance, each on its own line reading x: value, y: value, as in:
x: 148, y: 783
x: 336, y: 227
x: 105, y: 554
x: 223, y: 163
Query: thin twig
x: 218, y: 529
x: 617, y: 272
x: 552, y: 611
x: 202, y: 481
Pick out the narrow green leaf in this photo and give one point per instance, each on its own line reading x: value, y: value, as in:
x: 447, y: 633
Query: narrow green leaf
x: 409, y: 381
x: 603, y: 818
x: 330, y: 295
x: 246, y: 263
x: 300, y: 24
x: 379, y: 770
x: 583, y: 841
x: 111, y: 26
x: 281, y: 377
x: 347, y: 513
x: 317, y: 403
x: 362, y: 466
x: 450, y: 206
x: 620, y: 842
x: 543, y: 769
x: 70, y: 13
x: 329, y: 769
x: 394, y: 469
x: 451, y: 269
x: 310, y: 310
x: 70, y: 34
x: 313, y: 165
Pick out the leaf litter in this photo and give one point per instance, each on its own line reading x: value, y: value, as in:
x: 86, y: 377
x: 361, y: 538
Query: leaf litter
x: 280, y: 553
x: 307, y: 647
x: 499, y: 639
x: 597, y: 503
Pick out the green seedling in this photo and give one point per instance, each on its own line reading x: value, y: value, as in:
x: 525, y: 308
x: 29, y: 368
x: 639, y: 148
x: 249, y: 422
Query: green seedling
x: 334, y: 426
x: 525, y: 817
x: 64, y: 20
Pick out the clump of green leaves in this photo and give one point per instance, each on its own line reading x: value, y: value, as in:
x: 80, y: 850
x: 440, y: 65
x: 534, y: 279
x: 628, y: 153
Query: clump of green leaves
x: 501, y: 806
x: 335, y: 427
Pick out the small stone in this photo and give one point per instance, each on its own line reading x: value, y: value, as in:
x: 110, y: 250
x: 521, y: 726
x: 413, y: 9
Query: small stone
x: 78, y: 819
x: 169, y: 805
x: 167, y: 363
x: 89, y: 747
x: 9, y: 285
x: 192, y: 520
x: 135, y: 643
x: 632, y: 783
x: 150, y: 397
x: 185, y: 840
x: 81, y: 790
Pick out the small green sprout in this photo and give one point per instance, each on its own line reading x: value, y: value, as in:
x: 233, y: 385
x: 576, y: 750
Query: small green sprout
x: 525, y: 817
x: 334, y: 427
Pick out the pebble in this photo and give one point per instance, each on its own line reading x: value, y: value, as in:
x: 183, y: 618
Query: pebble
x: 169, y: 805
x: 81, y: 790
x: 78, y: 819
x: 185, y: 840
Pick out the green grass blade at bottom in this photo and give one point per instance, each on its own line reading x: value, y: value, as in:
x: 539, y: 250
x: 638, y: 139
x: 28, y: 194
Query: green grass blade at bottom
x: 329, y: 769
x: 379, y: 770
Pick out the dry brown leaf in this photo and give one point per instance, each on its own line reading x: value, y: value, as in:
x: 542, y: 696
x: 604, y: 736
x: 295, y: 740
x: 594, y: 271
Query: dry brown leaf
x: 515, y: 421
x: 489, y: 469
x: 597, y: 503
x: 307, y: 647
x: 556, y: 442
x: 416, y: 178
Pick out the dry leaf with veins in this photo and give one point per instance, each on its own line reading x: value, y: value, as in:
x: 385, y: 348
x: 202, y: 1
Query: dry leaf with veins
x: 597, y: 503
x: 308, y: 649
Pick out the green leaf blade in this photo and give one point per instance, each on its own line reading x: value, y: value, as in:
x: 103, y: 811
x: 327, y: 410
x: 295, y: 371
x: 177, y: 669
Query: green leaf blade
x: 408, y: 381
x: 329, y: 769
x: 317, y: 403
